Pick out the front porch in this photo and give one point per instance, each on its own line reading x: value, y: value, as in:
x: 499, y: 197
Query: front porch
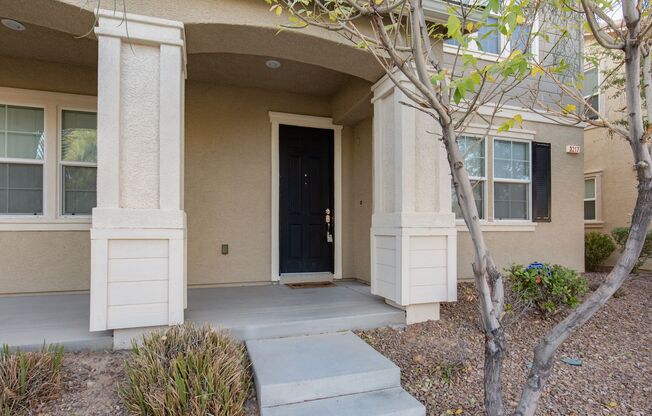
x: 247, y: 312
x: 198, y: 172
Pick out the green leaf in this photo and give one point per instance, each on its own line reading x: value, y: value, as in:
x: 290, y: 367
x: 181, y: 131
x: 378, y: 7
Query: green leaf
x: 454, y: 26
x: 458, y: 95
x: 569, y: 108
x: 508, y: 124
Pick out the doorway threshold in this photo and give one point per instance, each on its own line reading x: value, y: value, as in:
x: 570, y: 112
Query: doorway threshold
x: 288, y: 278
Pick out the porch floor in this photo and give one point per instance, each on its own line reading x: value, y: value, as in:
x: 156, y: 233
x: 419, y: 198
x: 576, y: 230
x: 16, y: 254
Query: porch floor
x: 28, y: 321
x: 270, y: 311
x: 248, y: 312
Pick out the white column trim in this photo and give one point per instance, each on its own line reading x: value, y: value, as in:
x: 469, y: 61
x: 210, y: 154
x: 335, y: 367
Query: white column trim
x: 108, y: 122
x: 99, y: 284
x: 130, y: 245
x: 170, y: 129
x: 276, y: 120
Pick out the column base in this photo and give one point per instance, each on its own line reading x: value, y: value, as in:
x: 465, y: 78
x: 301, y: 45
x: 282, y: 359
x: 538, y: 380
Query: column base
x: 420, y: 312
x: 123, y: 338
x: 137, y: 277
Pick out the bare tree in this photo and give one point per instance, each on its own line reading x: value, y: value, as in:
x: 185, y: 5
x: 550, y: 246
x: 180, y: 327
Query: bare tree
x: 401, y: 39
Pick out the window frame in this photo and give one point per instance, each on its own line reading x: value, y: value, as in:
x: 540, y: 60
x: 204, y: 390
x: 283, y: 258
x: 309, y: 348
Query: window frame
x: 485, y: 180
x: 51, y: 103
x: 597, y: 94
x: 495, y: 180
x: 62, y: 163
x: 26, y: 161
x: 594, y: 199
x: 596, y: 175
x: 505, y: 46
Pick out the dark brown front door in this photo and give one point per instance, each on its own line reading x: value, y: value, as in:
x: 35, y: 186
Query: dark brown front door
x: 306, y: 193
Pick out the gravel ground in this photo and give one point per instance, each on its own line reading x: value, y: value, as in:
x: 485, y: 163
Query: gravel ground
x: 90, y: 382
x: 89, y: 385
x: 441, y: 362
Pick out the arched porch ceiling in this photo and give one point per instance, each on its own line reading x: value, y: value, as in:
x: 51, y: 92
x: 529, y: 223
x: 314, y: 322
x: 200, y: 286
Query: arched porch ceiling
x: 295, y: 45
x: 244, y: 27
x: 252, y: 71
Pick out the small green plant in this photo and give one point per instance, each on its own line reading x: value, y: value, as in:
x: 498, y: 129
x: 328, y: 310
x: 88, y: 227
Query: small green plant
x: 450, y: 371
x: 546, y: 287
x: 187, y: 370
x: 28, y: 378
x: 620, y: 235
x: 597, y: 248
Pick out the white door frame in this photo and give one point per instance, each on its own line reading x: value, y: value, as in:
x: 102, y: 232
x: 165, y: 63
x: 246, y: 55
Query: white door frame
x: 320, y: 123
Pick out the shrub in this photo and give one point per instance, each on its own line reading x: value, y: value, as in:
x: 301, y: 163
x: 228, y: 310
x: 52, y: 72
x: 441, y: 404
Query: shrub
x: 187, y: 370
x: 546, y: 287
x: 620, y: 235
x: 597, y: 248
x: 27, y: 378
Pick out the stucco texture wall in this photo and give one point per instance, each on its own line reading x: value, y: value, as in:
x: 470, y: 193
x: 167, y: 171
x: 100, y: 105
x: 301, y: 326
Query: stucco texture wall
x: 47, y: 76
x: 611, y: 158
x: 45, y: 261
x: 228, y: 192
x: 559, y: 241
x: 228, y: 185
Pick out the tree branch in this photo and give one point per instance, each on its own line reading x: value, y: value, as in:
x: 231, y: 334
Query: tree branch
x: 602, y: 38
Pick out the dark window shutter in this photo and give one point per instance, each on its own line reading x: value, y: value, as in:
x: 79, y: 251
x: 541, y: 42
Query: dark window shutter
x: 541, y: 190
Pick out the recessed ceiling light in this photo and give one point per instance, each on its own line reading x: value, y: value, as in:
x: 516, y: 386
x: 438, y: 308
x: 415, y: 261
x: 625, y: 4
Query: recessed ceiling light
x: 273, y: 64
x: 13, y: 25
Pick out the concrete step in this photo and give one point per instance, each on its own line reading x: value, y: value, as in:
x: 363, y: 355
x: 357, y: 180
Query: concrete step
x: 300, y: 327
x: 275, y: 311
x: 386, y: 402
x: 299, y: 369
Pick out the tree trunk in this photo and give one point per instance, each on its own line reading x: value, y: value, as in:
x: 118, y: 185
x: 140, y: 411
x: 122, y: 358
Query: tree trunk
x: 545, y: 350
x: 490, y: 306
x: 494, y: 353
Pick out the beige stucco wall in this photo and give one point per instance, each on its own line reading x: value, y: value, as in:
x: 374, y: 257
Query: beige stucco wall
x: 559, y: 241
x: 611, y: 159
x: 362, y: 199
x: 228, y: 186
x: 44, y: 261
x: 47, y: 76
x: 47, y: 261
x: 227, y: 192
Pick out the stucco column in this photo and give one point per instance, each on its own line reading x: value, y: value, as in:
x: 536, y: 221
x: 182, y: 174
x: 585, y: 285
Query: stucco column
x: 413, y: 233
x: 138, y: 258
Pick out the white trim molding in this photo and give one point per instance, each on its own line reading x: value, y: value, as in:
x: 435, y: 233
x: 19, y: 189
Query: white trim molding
x: 138, y: 245
x: 276, y: 120
x: 539, y: 116
x: 596, y: 176
x: 52, y: 103
x: 501, y: 226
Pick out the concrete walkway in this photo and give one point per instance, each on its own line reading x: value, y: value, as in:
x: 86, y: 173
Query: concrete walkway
x: 327, y: 374
x: 248, y: 312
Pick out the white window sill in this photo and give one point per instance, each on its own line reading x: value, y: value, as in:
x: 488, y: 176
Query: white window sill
x: 501, y: 226
x: 593, y: 224
x: 44, y: 224
x: 486, y: 56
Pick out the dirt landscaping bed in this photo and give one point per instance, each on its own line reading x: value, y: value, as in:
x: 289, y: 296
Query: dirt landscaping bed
x: 441, y: 362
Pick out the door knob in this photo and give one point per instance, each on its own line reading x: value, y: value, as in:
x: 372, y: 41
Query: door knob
x: 329, y: 235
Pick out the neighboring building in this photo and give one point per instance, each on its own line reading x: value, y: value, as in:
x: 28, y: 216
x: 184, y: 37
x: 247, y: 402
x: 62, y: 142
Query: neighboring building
x: 228, y: 155
x: 609, y: 177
